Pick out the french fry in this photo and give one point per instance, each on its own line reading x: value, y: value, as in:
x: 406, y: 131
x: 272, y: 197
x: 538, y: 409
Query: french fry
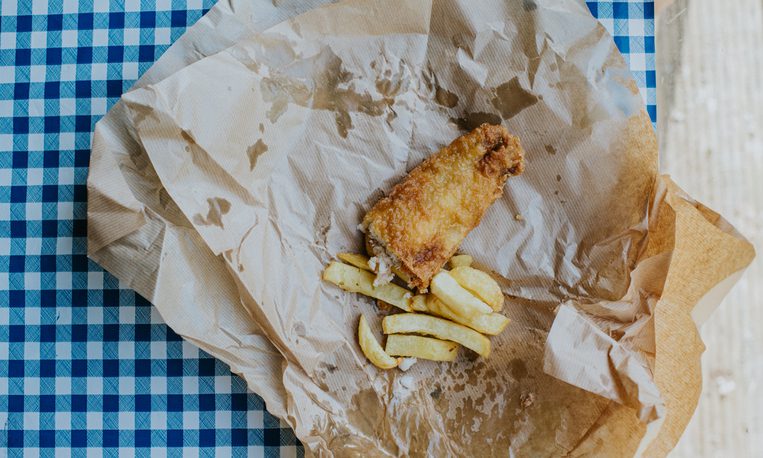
x: 421, y: 347
x: 402, y: 275
x: 371, y: 347
x: 437, y: 327
x: 354, y: 259
x: 489, y: 323
x: 419, y: 302
x: 360, y: 261
x: 481, y: 284
x: 356, y: 280
x: 460, y: 260
x: 456, y: 297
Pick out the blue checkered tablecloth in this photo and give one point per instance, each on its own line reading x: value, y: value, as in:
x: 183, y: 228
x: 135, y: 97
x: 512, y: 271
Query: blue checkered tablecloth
x: 85, y: 362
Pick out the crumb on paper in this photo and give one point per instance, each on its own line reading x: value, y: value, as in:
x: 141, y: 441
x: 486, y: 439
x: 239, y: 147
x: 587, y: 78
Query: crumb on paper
x: 519, y: 217
x: 526, y: 400
x: 406, y: 363
x: 382, y: 266
x: 725, y: 385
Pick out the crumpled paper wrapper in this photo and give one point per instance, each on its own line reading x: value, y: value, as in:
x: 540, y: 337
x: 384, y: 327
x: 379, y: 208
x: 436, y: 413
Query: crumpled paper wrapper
x: 243, y: 161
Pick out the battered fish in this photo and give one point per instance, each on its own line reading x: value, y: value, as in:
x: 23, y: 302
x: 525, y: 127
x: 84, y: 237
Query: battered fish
x: 420, y: 225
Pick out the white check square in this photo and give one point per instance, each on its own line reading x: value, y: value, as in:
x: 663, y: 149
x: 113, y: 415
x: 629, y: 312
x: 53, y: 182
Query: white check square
x: 69, y: 38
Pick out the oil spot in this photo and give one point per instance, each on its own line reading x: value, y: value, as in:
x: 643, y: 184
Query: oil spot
x: 445, y: 98
x: 470, y: 121
x: 442, y: 96
x: 279, y: 91
x: 230, y: 88
x: 550, y: 149
x: 511, y: 98
x: 262, y: 128
x: 471, y: 357
x: 335, y: 93
x: 558, y: 178
x: 217, y: 208
x: 517, y: 369
x: 187, y: 136
x: 255, y: 151
x: 142, y: 112
x: 436, y: 393
x: 529, y: 5
x: 556, y: 193
x: 332, y: 90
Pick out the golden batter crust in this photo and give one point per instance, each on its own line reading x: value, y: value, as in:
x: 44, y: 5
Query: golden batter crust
x: 427, y: 215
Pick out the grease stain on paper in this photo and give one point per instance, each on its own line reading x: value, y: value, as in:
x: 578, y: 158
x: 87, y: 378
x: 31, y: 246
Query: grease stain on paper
x: 217, y: 208
x: 279, y: 91
x: 529, y: 5
x: 141, y: 113
x: 518, y: 369
x: 332, y: 90
x: 444, y: 97
x: 511, y: 98
x: 469, y: 121
x: 255, y: 151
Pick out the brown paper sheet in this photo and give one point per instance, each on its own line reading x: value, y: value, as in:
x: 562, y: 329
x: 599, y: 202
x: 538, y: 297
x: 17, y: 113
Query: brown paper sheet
x: 222, y: 185
x: 137, y: 232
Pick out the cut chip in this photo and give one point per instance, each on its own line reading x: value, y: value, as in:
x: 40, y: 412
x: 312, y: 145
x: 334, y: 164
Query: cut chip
x: 371, y: 347
x: 419, y: 302
x: 456, y: 297
x: 487, y: 323
x: 481, y: 284
x: 421, y: 347
x: 356, y: 280
x: 460, y: 260
x: 442, y: 329
x: 355, y: 259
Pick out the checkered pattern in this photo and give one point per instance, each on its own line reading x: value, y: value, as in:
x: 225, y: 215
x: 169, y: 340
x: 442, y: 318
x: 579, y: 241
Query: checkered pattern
x: 85, y: 362
x: 631, y: 23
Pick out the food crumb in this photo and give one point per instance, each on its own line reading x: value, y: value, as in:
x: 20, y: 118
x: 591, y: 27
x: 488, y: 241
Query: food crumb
x: 519, y: 217
x: 526, y: 400
x: 406, y: 363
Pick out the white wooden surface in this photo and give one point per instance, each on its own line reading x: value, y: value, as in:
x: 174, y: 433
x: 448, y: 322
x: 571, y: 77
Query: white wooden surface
x: 711, y: 134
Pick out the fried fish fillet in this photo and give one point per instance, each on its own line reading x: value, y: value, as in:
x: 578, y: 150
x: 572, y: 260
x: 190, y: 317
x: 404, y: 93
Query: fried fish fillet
x: 420, y: 225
